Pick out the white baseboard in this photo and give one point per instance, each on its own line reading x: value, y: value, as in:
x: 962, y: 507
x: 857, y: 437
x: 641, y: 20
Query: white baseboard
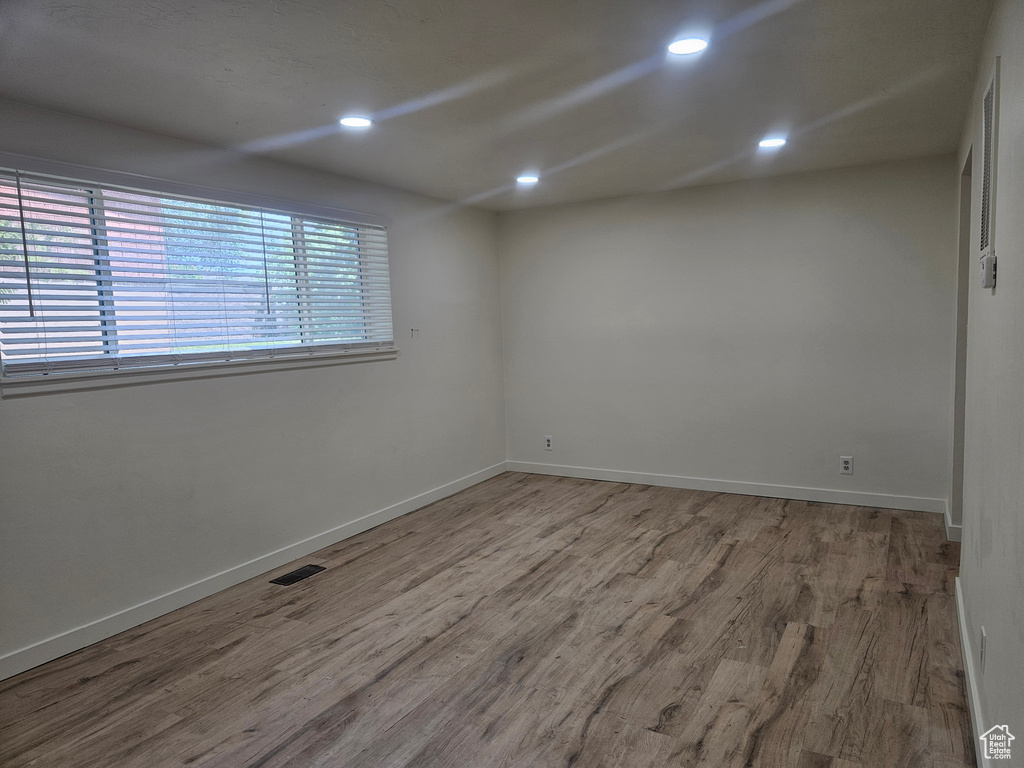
x: 828, y: 496
x: 80, y: 637
x: 970, y: 679
x: 953, y: 532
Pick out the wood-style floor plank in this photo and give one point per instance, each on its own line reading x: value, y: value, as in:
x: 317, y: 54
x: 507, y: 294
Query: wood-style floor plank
x: 541, y: 621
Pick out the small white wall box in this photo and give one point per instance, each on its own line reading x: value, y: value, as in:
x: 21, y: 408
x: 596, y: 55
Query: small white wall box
x: 988, y: 270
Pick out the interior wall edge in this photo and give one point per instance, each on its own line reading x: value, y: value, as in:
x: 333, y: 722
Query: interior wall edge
x: 825, y: 495
x: 75, y: 639
x: 954, y: 532
x: 970, y: 677
x: 992, y: 556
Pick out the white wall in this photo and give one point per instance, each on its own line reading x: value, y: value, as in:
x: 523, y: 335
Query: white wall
x: 115, y: 497
x: 992, y: 558
x: 741, y: 337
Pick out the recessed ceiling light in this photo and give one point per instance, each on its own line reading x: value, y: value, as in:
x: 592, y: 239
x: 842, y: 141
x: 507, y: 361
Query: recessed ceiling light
x: 772, y: 143
x: 688, y: 45
x: 528, y: 179
x: 354, y: 121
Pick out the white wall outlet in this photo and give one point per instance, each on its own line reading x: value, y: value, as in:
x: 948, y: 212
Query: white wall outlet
x: 846, y: 465
x: 548, y: 440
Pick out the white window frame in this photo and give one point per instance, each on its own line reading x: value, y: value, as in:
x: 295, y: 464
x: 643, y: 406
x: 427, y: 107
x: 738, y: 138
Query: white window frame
x: 194, y: 367
x: 989, y: 142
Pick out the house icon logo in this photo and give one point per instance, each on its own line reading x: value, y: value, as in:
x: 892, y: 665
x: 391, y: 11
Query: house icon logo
x: 996, y: 741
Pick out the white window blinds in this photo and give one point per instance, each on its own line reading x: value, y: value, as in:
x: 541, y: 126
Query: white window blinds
x: 98, y: 277
x: 988, y: 140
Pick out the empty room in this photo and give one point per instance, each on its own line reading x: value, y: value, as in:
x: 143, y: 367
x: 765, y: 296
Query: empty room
x: 418, y: 384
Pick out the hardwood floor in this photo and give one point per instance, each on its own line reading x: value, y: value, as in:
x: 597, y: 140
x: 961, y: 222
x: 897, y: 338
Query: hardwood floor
x: 539, y: 621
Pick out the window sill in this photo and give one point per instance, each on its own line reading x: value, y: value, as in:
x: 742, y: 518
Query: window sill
x: 79, y: 382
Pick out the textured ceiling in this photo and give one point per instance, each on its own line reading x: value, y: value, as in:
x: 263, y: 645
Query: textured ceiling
x: 468, y: 94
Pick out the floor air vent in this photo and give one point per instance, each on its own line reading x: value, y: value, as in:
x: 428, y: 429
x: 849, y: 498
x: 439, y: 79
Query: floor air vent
x: 298, y: 575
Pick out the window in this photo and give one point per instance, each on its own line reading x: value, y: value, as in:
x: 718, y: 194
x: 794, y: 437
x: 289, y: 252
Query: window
x: 989, y: 141
x: 99, y: 277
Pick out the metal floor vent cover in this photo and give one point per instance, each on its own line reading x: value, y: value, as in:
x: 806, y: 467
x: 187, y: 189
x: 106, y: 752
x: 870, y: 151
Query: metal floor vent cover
x: 297, y: 575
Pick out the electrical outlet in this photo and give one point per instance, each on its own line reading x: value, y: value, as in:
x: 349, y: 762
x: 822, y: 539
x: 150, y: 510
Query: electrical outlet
x: 984, y: 648
x: 548, y: 443
x: 846, y: 465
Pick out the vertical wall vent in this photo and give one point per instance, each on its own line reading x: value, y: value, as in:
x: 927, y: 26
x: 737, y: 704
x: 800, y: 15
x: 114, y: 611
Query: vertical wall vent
x: 989, y: 138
